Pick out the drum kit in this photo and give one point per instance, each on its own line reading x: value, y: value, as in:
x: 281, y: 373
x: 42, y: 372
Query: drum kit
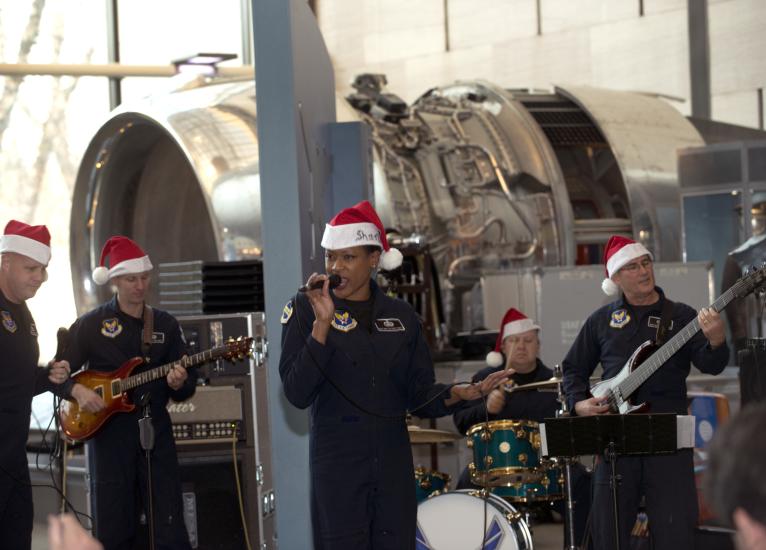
x: 512, y: 474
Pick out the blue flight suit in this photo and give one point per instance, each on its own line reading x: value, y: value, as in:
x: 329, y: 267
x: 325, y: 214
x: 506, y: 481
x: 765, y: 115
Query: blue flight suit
x: 20, y: 381
x: 526, y: 405
x: 363, y: 485
x: 105, y: 338
x: 522, y: 405
x: 610, y: 336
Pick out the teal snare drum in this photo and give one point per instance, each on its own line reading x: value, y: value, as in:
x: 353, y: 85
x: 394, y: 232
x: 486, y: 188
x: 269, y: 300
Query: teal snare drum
x: 429, y: 483
x: 504, y: 452
x: 548, y: 486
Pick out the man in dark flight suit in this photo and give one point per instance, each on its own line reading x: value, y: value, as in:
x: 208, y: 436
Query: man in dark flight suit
x: 609, y: 337
x: 519, y: 342
x: 25, y: 253
x: 105, y: 338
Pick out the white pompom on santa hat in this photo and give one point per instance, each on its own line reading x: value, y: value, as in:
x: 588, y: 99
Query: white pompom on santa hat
x: 125, y: 258
x: 32, y: 241
x: 618, y: 252
x: 514, y: 322
x: 360, y: 225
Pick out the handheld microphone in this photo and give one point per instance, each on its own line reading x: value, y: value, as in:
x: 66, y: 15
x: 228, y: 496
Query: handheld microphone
x: 334, y: 282
x: 62, y: 339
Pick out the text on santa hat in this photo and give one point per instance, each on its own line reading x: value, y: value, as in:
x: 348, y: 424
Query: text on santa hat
x: 361, y: 235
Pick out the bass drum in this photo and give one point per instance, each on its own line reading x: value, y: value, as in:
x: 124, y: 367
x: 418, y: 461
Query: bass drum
x: 456, y: 521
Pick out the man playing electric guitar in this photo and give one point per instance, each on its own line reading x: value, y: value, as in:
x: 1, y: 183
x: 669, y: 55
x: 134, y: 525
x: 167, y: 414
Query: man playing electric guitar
x: 609, y: 337
x: 105, y: 338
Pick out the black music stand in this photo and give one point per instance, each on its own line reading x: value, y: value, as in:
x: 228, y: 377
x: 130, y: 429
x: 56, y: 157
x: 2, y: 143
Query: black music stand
x: 612, y: 435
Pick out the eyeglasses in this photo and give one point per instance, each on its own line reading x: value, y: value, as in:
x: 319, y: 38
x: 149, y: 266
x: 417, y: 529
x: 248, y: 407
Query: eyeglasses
x: 633, y: 267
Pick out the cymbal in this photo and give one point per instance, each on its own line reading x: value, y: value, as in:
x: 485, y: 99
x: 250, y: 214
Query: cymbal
x: 428, y: 435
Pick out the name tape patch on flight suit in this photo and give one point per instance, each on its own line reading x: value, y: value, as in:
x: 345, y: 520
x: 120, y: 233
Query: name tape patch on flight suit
x: 654, y: 322
x: 111, y: 327
x: 343, y: 322
x: 620, y: 318
x: 389, y: 325
x: 287, y: 312
x: 8, y: 323
x: 158, y: 337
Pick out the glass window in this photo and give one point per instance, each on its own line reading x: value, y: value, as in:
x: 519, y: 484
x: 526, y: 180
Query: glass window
x: 45, y: 125
x: 176, y: 29
x: 712, y: 229
x: 710, y: 168
x: 756, y: 157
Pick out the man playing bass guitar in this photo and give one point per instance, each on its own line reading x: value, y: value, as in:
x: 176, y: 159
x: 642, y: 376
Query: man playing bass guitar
x: 105, y: 338
x: 609, y: 337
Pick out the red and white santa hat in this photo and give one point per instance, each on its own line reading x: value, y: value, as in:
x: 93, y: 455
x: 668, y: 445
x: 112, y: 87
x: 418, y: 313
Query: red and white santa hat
x: 360, y: 226
x: 32, y: 241
x: 618, y: 252
x: 125, y: 258
x: 514, y: 322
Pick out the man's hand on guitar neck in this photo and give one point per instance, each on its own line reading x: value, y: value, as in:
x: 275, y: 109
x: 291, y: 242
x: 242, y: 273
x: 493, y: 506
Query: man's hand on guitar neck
x: 177, y: 376
x: 87, y: 399
x: 712, y: 326
x: 592, y: 406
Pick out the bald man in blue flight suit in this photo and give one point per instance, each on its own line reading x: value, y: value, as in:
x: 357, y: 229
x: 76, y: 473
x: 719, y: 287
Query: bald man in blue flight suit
x: 609, y: 337
x: 358, y: 358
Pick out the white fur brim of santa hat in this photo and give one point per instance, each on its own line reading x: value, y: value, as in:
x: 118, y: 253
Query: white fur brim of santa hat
x: 26, y: 247
x: 519, y: 326
x: 336, y: 237
x: 618, y: 260
x: 101, y: 275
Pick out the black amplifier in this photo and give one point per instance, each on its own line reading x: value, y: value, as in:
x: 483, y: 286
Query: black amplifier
x: 212, y: 415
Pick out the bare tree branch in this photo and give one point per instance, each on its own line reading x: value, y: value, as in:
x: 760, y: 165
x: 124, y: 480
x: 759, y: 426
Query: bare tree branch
x: 11, y: 83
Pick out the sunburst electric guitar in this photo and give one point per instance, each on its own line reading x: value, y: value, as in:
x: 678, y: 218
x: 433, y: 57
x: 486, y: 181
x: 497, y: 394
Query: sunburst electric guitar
x: 113, y: 386
x: 648, y: 358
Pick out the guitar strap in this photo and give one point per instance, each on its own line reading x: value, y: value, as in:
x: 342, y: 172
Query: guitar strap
x: 146, y: 340
x: 666, y: 319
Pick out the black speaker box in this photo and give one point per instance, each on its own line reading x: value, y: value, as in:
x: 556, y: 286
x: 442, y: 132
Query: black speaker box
x: 752, y: 377
x: 211, y: 504
x: 713, y: 538
x: 210, y: 500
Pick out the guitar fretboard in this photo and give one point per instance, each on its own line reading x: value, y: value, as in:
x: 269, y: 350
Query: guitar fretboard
x: 159, y: 372
x: 659, y: 357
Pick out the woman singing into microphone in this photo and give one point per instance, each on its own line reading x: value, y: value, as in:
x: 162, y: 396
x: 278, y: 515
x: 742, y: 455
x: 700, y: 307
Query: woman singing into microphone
x: 358, y: 358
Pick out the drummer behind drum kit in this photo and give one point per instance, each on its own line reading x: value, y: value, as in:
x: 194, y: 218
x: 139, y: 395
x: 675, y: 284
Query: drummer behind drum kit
x: 508, y: 465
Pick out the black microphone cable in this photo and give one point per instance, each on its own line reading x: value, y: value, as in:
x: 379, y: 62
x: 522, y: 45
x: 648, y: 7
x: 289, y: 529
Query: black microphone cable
x: 43, y: 485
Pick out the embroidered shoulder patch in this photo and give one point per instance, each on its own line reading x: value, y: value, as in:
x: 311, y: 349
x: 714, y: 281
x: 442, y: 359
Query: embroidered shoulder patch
x: 8, y: 323
x: 111, y: 327
x: 287, y: 312
x: 343, y: 322
x: 620, y: 318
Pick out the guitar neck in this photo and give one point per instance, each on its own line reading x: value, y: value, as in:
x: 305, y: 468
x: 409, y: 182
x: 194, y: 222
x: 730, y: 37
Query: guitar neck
x: 160, y: 372
x: 661, y: 356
